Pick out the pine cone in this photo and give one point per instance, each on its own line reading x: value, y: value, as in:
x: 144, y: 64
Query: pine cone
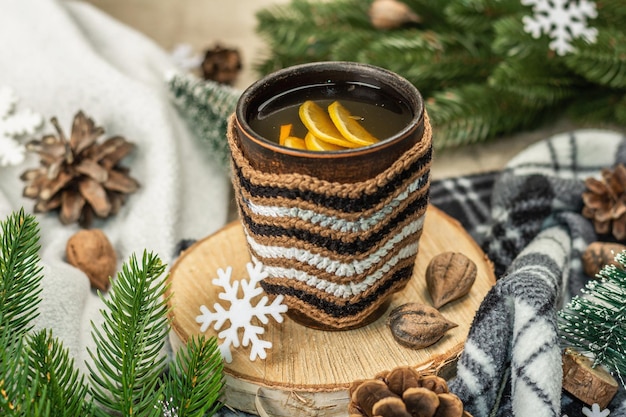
x: 79, y: 176
x: 403, y: 392
x: 605, y: 202
x: 221, y: 65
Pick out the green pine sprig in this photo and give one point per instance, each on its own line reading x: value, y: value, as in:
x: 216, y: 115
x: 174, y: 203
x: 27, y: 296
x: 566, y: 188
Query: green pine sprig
x: 196, y: 379
x: 595, y: 322
x: 20, y: 272
x: 38, y: 377
x: 63, y: 387
x: 128, y: 363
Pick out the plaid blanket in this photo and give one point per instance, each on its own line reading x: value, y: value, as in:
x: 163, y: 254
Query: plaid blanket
x: 527, y: 220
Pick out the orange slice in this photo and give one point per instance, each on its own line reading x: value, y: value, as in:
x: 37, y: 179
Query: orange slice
x: 313, y: 143
x: 285, y: 131
x: 348, y: 126
x: 294, y: 142
x: 319, y: 124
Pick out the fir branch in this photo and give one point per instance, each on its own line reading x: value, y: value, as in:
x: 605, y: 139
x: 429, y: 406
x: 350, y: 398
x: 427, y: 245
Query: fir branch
x: 475, y: 112
x: 196, y: 379
x: 60, y: 384
x: 430, y: 60
x: 537, y: 86
x: 206, y: 106
x: 20, y: 273
x: 127, y: 361
x: 21, y: 393
x: 478, y: 15
x: 595, y: 323
x: 604, y: 61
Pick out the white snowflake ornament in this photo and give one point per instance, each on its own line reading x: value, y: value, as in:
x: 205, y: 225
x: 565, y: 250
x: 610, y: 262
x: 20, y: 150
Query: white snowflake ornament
x: 185, y: 58
x: 14, y: 125
x: 562, y: 21
x: 595, y: 411
x: 241, y: 312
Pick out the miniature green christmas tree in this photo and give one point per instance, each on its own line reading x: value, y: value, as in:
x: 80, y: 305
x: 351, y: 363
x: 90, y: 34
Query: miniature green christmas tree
x: 595, y: 322
x: 477, y: 63
x: 128, y: 374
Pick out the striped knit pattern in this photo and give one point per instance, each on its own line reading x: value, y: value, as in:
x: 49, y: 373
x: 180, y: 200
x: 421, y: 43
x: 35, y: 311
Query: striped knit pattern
x: 336, y: 251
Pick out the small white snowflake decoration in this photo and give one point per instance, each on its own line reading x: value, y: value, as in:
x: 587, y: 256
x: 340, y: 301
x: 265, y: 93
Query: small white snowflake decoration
x: 242, y: 312
x: 595, y: 411
x: 562, y: 21
x: 184, y: 57
x: 13, y: 125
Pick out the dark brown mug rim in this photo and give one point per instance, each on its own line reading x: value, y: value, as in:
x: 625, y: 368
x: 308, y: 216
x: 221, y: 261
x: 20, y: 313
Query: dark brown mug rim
x: 387, y: 79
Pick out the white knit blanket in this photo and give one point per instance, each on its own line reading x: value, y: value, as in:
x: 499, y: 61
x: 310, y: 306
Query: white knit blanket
x: 59, y: 57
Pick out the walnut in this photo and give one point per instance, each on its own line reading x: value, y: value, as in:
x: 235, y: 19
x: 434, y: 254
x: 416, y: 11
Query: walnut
x: 449, y: 276
x: 403, y: 392
x: 91, y: 252
x: 417, y: 326
x: 599, y: 254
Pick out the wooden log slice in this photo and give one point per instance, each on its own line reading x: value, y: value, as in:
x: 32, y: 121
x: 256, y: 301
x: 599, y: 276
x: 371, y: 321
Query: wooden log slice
x: 307, y: 372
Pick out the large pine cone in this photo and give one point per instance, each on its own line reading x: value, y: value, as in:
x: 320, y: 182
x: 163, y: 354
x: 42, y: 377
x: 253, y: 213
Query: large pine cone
x: 79, y: 177
x: 403, y: 392
x: 605, y: 202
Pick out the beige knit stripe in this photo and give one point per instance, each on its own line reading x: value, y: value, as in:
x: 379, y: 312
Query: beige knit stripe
x: 305, y: 245
x: 304, y: 271
x: 342, y: 190
x: 321, y: 316
x: 328, y: 211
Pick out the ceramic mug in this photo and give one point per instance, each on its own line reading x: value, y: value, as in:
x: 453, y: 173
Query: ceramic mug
x: 337, y: 231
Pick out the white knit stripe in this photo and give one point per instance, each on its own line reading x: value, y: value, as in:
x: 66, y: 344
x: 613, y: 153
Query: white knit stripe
x: 333, y: 222
x: 332, y: 266
x: 343, y: 290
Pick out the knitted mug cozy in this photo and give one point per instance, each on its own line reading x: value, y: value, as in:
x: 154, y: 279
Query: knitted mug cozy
x: 336, y: 251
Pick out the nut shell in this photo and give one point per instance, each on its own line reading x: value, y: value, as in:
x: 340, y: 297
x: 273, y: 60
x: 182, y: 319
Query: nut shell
x: 92, y: 252
x: 418, y: 326
x: 449, y: 276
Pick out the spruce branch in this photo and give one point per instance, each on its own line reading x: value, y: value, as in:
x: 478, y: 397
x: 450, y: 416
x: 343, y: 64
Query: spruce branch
x: 196, y: 379
x: 65, y: 388
x: 127, y: 361
x: 603, y: 62
x: 595, y: 322
x: 20, y: 273
x: 458, y: 45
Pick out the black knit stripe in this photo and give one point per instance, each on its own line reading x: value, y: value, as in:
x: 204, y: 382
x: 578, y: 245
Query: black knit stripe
x: 338, y: 244
x: 350, y: 205
x: 342, y: 311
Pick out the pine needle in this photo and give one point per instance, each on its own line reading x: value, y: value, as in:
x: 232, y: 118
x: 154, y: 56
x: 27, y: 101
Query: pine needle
x: 196, y: 378
x: 65, y: 388
x: 127, y: 361
x: 20, y: 273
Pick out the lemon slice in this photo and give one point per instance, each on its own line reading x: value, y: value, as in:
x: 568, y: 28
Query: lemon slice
x: 321, y: 126
x: 313, y: 143
x: 294, y: 142
x: 348, y: 126
x: 285, y: 132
